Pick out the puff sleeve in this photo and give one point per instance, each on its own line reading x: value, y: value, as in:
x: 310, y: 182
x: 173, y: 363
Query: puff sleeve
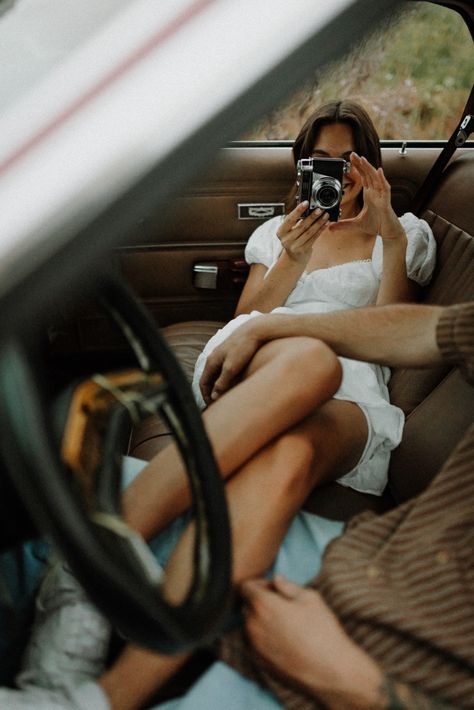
x: 263, y: 246
x: 421, y: 250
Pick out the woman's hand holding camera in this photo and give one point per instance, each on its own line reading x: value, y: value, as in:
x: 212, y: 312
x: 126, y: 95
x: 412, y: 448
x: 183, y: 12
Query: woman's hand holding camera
x: 297, y: 234
x: 267, y: 289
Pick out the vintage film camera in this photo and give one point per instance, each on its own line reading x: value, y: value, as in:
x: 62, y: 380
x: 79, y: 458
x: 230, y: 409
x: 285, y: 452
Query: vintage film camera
x: 319, y: 180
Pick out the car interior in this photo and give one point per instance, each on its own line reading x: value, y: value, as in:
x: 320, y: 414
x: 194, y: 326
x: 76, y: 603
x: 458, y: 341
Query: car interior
x: 188, y: 270
x: 184, y: 261
x: 438, y: 404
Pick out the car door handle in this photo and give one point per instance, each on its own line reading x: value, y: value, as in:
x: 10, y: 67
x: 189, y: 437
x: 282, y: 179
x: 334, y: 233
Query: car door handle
x: 225, y: 274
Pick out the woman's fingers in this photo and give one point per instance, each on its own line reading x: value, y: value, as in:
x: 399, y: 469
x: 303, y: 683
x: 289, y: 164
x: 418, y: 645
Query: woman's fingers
x: 383, y: 179
x: 357, y: 163
x: 311, y: 226
x: 368, y: 172
x: 376, y: 178
x: 295, y: 222
x: 298, y: 236
x: 371, y: 178
x: 294, y: 217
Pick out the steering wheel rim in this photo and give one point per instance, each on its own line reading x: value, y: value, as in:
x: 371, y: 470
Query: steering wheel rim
x: 116, y: 579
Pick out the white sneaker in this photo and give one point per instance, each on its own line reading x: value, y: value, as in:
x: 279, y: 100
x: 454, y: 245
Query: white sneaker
x: 87, y: 696
x: 70, y: 637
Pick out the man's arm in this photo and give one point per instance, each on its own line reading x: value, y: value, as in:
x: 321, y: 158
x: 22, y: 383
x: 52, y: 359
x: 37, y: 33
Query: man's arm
x: 401, y: 335
x: 397, y: 335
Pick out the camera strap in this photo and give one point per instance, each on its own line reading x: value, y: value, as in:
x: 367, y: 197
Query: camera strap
x: 458, y: 138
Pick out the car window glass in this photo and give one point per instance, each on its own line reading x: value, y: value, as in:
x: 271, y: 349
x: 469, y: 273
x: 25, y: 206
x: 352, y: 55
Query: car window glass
x: 413, y: 76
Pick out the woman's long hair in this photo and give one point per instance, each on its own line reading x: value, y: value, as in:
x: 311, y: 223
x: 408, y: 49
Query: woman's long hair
x: 366, y: 138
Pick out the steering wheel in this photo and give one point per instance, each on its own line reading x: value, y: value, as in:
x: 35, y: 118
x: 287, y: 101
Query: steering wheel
x: 114, y: 564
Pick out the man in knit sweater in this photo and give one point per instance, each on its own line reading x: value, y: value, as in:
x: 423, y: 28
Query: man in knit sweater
x: 389, y: 620
x: 395, y: 595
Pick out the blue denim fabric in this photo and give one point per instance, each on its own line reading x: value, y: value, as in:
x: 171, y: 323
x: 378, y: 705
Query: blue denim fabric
x: 21, y: 571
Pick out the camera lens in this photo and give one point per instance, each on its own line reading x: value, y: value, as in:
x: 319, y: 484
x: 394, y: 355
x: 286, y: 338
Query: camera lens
x: 327, y: 196
x: 326, y: 192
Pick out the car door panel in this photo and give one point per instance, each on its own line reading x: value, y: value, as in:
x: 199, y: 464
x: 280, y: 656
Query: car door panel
x: 201, y: 226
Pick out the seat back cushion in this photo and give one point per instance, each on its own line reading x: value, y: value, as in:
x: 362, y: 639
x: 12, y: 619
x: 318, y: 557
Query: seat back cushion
x: 187, y: 341
x: 439, y: 405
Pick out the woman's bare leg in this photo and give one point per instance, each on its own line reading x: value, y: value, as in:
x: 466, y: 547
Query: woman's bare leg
x: 286, y: 380
x: 263, y: 500
x: 270, y: 489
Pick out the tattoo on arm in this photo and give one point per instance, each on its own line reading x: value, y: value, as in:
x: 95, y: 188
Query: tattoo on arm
x: 398, y: 696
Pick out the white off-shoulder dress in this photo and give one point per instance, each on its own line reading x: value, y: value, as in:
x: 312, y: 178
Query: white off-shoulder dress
x: 353, y: 284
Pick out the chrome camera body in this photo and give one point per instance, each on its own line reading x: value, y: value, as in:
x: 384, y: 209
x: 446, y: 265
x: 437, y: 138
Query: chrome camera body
x: 319, y: 180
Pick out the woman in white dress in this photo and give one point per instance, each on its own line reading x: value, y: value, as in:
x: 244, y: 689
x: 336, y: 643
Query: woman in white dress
x: 296, y: 415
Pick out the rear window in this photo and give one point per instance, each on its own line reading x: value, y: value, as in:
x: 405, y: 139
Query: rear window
x: 413, y: 76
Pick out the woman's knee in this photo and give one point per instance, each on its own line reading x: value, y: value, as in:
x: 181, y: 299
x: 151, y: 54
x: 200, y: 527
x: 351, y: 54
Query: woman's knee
x: 309, y: 367
x: 338, y: 432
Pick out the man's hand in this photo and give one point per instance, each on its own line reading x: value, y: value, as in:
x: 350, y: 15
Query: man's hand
x: 297, y: 634
x: 227, y: 362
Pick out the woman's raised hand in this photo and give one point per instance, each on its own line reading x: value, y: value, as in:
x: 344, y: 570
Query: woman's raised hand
x: 377, y: 215
x: 298, y: 234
